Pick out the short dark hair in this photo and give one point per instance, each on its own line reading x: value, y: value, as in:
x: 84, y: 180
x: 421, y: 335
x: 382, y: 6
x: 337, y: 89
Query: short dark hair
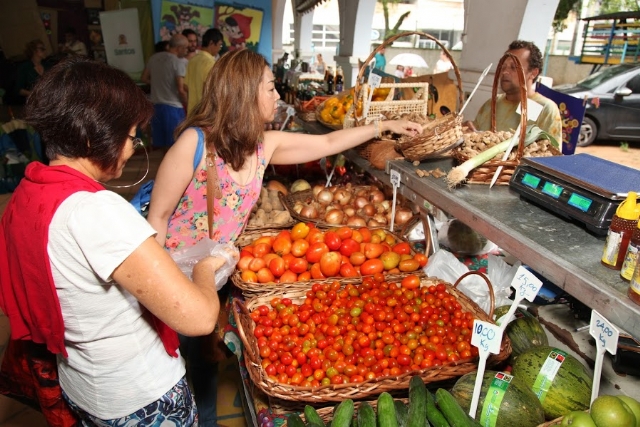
x: 535, y: 56
x: 161, y: 46
x: 85, y: 109
x: 212, y: 35
x: 32, y: 47
x: 188, y: 31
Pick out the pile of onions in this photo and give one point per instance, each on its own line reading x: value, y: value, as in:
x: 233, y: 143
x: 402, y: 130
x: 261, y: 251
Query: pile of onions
x: 350, y: 205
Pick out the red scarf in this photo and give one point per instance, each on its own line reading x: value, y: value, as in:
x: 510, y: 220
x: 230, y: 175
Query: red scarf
x: 27, y: 292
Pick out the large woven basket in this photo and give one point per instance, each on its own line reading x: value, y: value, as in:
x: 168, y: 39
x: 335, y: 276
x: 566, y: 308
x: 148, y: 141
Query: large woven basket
x: 270, y: 290
x: 484, y: 173
x: 369, y: 388
x: 439, y: 136
x: 306, y: 110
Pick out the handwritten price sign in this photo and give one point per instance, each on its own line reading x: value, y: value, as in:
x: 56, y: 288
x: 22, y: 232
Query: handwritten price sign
x: 486, y: 336
x: 606, y: 336
x: 394, y: 178
x: 526, y: 284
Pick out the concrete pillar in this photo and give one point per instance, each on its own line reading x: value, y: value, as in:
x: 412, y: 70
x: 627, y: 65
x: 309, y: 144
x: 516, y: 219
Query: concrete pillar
x: 302, y: 30
x: 355, y: 36
x: 277, y: 18
x: 489, y: 28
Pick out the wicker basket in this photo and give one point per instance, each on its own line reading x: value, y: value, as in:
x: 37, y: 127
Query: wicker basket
x: 484, y: 173
x: 439, y: 136
x: 369, y: 388
x: 306, y: 110
x: 319, y: 108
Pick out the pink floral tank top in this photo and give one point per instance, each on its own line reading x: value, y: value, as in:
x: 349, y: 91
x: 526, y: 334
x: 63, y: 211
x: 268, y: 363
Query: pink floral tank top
x: 189, y: 223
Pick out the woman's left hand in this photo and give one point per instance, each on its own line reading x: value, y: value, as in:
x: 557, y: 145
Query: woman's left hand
x: 404, y: 127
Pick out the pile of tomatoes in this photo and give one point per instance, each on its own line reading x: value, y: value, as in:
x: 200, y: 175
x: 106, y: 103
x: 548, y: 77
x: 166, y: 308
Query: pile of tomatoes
x: 306, y: 252
x: 358, y: 332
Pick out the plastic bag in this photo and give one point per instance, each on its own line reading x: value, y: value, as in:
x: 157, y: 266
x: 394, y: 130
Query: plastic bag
x: 187, y: 258
x: 444, y: 265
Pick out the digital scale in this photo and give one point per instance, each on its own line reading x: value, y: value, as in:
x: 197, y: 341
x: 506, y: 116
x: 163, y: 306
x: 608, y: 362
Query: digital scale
x: 580, y: 187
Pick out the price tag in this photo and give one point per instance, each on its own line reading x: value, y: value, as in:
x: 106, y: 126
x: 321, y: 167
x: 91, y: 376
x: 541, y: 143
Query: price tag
x: 395, y: 178
x: 374, y: 80
x: 526, y: 284
x: 605, y: 333
x: 290, y: 111
x: 606, y: 336
x: 486, y: 336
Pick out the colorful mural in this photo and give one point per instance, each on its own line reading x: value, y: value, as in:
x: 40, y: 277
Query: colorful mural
x: 240, y: 26
x: 176, y: 17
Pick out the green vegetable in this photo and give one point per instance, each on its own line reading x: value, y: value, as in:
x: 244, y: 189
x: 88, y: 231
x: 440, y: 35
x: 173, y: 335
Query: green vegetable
x: 519, y: 406
x: 386, y: 411
x: 402, y: 413
x: 343, y: 414
x: 434, y: 416
x: 417, y: 402
x: 524, y: 331
x: 366, y: 415
x: 311, y: 415
x: 451, y: 409
x: 294, y: 420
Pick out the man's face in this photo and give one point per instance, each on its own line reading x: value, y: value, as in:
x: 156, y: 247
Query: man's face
x: 216, y: 48
x: 509, y: 81
x: 193, y: 42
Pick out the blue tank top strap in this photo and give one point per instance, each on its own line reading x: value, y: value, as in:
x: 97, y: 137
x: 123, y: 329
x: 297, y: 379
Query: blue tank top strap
x: 199, y: 148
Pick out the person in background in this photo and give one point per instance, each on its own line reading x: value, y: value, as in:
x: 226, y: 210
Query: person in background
x: 161, y: 46
x: 192, y: 37
x: 199, y: 66
x: 443, y: 65
x: 30, y: 71
x: 399, y: 73
x: 104, y: 301
x: 381, y: 61
x: 73, y: 46
x: 321, y: 66
x: 506, y: 103
x: 165, y: 73
x: 408, y: 71
x: 239, y: 99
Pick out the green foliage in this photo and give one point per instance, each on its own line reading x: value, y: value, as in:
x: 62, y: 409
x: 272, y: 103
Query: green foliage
x: 389, y: 31
x: 611, y: 6
x: 624, y: 146
x: 562, y: 12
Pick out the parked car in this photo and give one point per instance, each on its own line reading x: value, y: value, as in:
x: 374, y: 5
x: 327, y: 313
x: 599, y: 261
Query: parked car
x: 612, y: 97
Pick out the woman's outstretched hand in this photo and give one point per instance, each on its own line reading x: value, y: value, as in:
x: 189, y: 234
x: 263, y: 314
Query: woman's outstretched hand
x: 403, y: 127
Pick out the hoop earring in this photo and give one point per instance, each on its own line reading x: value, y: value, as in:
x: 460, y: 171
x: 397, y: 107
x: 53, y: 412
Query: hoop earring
x: 140, y: 144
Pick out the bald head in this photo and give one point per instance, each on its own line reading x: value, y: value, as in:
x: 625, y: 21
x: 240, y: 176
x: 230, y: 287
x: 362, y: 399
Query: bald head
x: 178, y: 45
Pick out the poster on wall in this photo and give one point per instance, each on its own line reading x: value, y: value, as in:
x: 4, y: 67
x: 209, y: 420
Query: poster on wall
x: 239, y: 25
x: 176, y: 17
x: 122, y: 43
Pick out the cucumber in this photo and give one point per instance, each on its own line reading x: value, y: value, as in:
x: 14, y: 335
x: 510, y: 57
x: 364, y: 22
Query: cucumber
x: 386, y: 411
x: 434, y: 416
x: 294, y: 420
x: 366, y: 415
x: 451, y: 409
x: 354, y: 422
x: 402, y: 413
x: 311, y: 415
x: 417, y: 403
x: 314, y: 424
x: 343, y: 414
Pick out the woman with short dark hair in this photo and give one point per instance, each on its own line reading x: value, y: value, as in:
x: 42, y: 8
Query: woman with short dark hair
x: 31, y: 70
x: 80, y: 271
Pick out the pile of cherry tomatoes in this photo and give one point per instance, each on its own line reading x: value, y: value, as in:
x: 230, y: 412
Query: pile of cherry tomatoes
x: 306, y: 252
x: 357, y: 332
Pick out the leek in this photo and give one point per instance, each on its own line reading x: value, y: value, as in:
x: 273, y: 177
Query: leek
x: 458, y: 174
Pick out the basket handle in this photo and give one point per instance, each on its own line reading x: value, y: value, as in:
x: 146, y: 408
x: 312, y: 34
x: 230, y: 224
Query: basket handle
x: 239, y: 308
x: 393, y: 38
x: 492, y: 297
x: 427, y: 238
x: 523, y: 98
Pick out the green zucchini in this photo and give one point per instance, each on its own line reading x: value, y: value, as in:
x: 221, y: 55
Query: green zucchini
x: 343, y: 414
x: 386, y: 411
x: 451, y: 409
x: 434, y: 416
x: 294, y: 420
x: 366, y: 415
x: 311, y: 415
x: 314, y: 424
x: 417, y: 403
x: 402, y: 413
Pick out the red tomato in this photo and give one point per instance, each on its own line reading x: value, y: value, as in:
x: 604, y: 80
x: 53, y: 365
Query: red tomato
x: 315, y: 272
x: 349, y: 246
x: 332, y: 240
x: 265, y: 275
x: 315, y: 235
x: 330, y: 264
x: 246, y: 251
x: 357, y: 258
x: 257, y: 264
x: 288, y: 277
x: 421, y: 258
x: 347, y: 270
x: 345, y: 232
x: 315, y: 252
x: 298, y: 265
x: 304, y: 277
x: 276, y: 266
x: 408, y: 265
x: 249, y: 276
x: 281, y: 245
x: 411, y: 282
x: 366, y: 234
x: 243, y: 264
x: 373, y: 250
x: 371, y: 266
x: 299, y: 247
x: 261, y: 249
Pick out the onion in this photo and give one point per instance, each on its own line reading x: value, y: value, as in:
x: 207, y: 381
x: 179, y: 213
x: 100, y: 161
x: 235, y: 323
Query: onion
x: 278, y: 186
x: 380, y: 218
x: 325, y: 197
x: 349, y: 211
x: 342, y: 196
x: 334, y: 216
x: 376, y: 196
x: 379, y: 208
x: 386, y: 204
x: 316, y: 189
x: 356, y: 221
x: 362, y: 192
x: 372, y: 223
x: 309, y: 212
x: 369, y: 209
x: 297, y: 207
x: 360, y: 202
x: 334, y: 188
x: 403, y: 215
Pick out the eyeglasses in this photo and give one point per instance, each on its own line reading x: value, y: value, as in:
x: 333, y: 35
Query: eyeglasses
x: 137, y: 143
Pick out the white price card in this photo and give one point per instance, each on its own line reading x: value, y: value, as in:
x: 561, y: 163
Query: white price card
x: 486, y: 336
x: 606, y: 336
x: 290, y: 111
x: 526, y: 284
x: 394, y: 178
x: 374, y: 80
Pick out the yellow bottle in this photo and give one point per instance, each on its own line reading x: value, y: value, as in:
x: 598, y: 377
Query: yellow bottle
x: 623, y: 223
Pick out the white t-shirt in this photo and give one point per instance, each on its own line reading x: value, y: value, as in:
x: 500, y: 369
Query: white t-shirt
x: 117, y: 363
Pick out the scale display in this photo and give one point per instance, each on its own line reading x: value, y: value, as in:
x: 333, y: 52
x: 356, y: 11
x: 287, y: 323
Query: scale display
x: 579, y: 187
